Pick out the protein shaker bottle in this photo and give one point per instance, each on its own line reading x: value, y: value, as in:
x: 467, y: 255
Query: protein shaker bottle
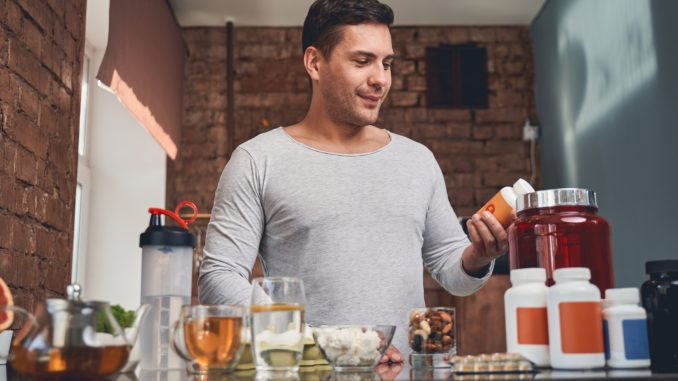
x: 167, y: 267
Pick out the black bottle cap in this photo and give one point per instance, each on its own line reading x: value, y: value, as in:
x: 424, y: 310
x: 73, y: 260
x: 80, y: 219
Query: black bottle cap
x: 663, y: 266
x: 156, y: 234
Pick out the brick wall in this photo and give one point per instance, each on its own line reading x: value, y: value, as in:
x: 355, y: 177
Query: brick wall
x: 41, y: 49
x: 479, y: 150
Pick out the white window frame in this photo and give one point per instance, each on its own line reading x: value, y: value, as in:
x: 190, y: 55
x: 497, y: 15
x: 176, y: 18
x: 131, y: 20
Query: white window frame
x: 80, y: 226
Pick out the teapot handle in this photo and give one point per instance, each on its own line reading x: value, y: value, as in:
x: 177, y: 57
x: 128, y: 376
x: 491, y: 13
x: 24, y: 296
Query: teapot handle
x: 28, y: 327
x: 140, y: 314
x: 132, y: 332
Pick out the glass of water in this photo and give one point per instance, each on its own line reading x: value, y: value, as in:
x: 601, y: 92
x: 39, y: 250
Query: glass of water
x: 277, y: 313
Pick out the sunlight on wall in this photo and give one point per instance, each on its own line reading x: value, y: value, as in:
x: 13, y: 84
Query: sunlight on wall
x: 607, y: 53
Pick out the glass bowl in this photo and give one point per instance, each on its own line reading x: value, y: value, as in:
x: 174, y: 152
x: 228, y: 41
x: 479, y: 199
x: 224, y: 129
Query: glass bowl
x: 353, y: 348
x: 432, y: 330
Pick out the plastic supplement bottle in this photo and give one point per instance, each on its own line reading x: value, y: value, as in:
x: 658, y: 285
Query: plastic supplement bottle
x: 575, y: 321
x: 526, y: 317
x: 625, y: 328
x: 504, y: 201
x: 660, y: 299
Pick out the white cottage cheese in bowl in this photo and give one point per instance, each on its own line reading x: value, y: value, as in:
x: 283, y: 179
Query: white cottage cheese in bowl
x: 352, y: 347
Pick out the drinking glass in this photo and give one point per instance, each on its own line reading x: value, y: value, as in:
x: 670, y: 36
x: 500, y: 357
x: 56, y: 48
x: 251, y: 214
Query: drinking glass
x: 277, y: 321
x: 210, y: 337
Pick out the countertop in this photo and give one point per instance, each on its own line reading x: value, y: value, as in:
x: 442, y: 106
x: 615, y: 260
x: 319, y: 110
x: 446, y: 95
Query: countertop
x: 392, y: 372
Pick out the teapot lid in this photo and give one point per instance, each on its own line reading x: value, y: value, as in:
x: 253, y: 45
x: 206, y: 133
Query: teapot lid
x: 73, y: 298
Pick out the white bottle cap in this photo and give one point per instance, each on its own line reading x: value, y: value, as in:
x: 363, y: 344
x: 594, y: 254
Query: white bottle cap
x: 536, y: 274
x: 522, y: 187
x: 572, y: 273
x: 509, y: 196
x: 627, y: 295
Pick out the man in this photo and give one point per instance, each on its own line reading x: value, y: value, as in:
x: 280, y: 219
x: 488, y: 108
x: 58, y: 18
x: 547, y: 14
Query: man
x: 350, y: 208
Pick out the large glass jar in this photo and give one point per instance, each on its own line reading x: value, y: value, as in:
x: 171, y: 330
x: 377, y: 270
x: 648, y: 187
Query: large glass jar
x: 561, y: 228
x: 660, y: 299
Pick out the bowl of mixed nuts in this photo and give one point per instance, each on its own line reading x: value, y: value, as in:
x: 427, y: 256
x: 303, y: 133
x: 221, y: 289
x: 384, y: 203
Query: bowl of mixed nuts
x: 432, y: 330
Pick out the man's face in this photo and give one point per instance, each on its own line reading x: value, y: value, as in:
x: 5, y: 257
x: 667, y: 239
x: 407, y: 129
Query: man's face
x: 357, y: 76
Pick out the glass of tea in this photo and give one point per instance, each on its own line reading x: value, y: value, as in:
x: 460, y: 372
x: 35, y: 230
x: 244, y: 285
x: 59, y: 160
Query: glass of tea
x: 277, y: 321
x: 210, y: 337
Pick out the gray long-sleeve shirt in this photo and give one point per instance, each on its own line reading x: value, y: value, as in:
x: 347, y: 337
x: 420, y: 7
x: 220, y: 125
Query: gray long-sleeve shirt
x: 355, y: 227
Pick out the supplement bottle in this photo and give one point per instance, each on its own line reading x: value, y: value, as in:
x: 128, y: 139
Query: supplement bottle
x: 660, y: 299
x: 526, y: 318
x: 625, y: 329
x: 575, y: 321
x: 504, y: 201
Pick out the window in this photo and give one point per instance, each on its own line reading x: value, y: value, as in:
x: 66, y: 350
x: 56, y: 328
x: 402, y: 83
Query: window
x: 456, y: 76
x: 76, y: 232
x: 82, y: 137
x: 83, y: 185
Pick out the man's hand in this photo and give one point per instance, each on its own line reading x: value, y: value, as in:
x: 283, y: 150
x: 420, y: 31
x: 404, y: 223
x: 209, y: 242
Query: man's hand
x: 489, y: 240
x: 392, y: 355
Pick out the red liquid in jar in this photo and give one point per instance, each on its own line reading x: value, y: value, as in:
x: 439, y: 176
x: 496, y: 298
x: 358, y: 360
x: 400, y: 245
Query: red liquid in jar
x: 563, y: 236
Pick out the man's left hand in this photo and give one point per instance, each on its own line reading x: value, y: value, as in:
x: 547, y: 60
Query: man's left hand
x: 489, y: 240
x: 392, y: 355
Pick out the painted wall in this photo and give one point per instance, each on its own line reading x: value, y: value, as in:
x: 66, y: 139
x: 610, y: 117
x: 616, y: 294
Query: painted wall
x: 606, y: 84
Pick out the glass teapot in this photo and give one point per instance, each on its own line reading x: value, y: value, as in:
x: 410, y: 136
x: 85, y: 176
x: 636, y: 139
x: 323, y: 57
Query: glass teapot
x: 68, y: 338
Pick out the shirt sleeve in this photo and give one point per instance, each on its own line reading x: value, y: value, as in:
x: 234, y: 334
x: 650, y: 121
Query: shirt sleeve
x: 233, y: 234
x: 444, y: 243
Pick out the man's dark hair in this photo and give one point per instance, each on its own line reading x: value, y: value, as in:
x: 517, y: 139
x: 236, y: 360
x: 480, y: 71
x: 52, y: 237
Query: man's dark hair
x: 322, y: 27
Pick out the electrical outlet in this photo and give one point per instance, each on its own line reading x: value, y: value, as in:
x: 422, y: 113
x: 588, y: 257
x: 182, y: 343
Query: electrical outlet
x: 530, y: 132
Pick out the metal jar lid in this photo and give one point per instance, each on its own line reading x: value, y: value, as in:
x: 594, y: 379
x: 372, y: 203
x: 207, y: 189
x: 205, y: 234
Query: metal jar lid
x: 556, y: 197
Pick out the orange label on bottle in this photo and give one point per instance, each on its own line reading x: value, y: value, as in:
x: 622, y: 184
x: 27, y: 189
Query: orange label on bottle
x: 581, y: 327
x: 532, y: 325
x: 500, y: 208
